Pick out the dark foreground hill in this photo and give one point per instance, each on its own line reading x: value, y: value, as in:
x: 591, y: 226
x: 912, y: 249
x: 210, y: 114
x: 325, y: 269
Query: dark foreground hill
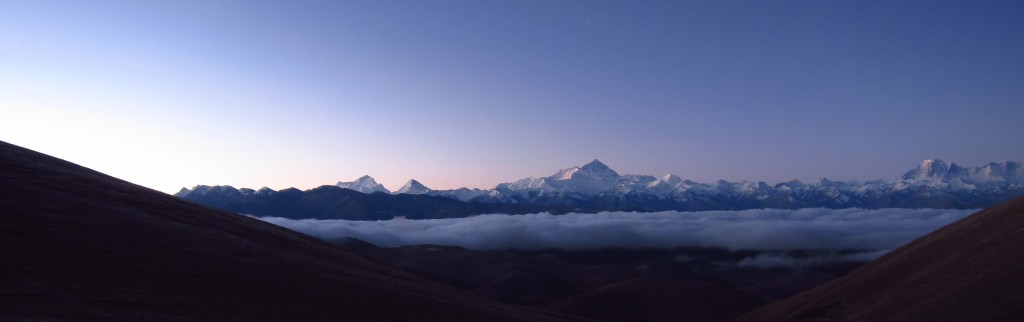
x: 692, y: 284
x: 77, y: 244
x: 971, y: 270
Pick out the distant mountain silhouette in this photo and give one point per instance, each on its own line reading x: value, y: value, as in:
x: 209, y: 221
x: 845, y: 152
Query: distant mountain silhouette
x: 76, y: 244
x: 595, y: 187
x: 969, y: 270
x: 331, y: 202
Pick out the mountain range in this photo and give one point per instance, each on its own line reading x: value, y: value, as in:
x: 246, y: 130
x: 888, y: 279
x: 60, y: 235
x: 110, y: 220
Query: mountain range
x: 596, y: 187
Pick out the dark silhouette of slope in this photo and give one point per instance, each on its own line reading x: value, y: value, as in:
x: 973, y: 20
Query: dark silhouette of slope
x: 970, y: 270
x: 331, y: 202
x: 696, y: 284
x: 656, y: 299
x: 77, y: 244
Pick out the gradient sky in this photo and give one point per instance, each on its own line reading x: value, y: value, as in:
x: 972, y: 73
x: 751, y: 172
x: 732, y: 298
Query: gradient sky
x: 472, y: 93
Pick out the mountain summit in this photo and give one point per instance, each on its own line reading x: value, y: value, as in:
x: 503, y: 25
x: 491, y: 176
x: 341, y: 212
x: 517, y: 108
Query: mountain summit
x: 592, y: 178
x: 597, y: 169
x: 413, y: 187
x: 596, y: 164
x: 364, y: 184
x: 930, y: 169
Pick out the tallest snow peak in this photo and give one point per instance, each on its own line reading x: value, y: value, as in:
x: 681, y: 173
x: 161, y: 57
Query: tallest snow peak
x: 596, y: 164
x: 596, y: 169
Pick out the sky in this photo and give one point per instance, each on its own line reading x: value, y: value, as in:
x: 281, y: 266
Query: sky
x: 172, y: 94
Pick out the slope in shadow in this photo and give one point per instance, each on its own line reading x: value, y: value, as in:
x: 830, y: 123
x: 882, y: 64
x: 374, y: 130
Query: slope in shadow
x: 969, y: 270
x: 700, y: 284
x: 77, y: 244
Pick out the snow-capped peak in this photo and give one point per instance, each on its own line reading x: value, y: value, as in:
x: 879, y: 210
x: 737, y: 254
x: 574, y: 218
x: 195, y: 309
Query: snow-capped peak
x: 365, y: 184
x: 671, y: 179
x: 596, y: 169
x: 565, y: 174
x: 595, y: 165
x: 366, y: 179
x: 577, y: 186
x: 413, y: 187
x: 928, y: 169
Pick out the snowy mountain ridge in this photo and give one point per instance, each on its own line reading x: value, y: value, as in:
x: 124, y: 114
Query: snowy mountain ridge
x: 596, y: 178
x: 595, y: 186
x: 365, y: 184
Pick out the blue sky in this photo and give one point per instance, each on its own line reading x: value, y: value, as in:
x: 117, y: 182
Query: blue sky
x: 472, y: 93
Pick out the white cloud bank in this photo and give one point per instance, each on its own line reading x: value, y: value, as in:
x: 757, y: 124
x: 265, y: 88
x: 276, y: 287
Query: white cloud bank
x: 761, y: 229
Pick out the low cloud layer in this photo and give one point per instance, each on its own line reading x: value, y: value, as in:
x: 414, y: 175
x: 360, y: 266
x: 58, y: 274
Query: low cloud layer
x: 763, y: 229
x: 782, y: 260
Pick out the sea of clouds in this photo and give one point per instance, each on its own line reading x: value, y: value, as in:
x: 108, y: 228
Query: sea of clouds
x: 874, y: 230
